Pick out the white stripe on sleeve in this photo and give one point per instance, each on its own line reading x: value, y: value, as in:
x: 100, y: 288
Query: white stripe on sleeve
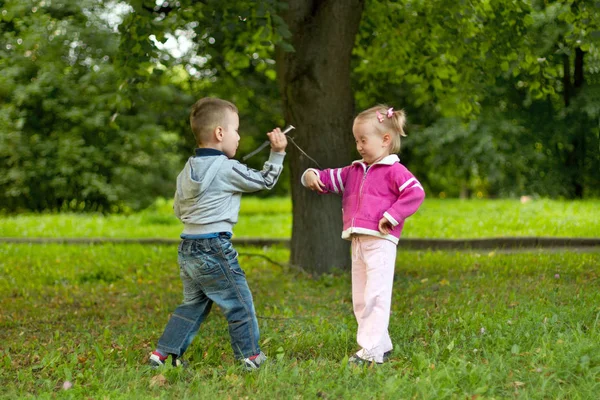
x: 335, y: 189
x: 390, y: 218
x: 339, y: 176
x: 408, y: 182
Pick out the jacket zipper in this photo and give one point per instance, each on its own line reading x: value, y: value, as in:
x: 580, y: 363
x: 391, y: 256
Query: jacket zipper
x: 362, y: 183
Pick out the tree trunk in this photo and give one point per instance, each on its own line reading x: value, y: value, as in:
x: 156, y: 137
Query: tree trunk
x: 578, y: 153
x: 318, y: 101
x: 575, y: 156
x: 566, y: 80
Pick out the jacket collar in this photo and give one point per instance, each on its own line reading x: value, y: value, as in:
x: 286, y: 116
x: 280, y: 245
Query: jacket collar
x: 389, y: 160
x: 207, y: 151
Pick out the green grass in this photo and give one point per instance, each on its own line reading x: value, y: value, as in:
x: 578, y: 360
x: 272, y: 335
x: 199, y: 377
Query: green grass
x: 465, y: 326
x: 436, y: 219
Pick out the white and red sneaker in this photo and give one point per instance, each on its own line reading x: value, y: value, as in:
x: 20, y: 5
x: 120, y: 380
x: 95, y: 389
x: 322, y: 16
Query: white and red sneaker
x: 254, y: 362
x: 158, y: 360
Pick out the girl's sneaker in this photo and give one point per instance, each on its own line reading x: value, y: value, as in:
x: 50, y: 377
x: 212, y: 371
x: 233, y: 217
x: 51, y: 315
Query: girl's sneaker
x: 357, y: 360
x: 254, y: 362
x: 387, y: 355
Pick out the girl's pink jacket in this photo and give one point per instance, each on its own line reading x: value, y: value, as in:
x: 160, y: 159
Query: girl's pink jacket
x: 384, y: 189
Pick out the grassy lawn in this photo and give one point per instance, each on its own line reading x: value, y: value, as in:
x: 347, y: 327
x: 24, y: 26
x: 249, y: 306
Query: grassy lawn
x: 436, y: 219
x: 465, y: 326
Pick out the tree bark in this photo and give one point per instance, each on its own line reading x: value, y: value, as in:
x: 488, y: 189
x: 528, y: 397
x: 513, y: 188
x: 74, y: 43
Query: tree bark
x: 566, y: 80
x: 318, y: 100
x: 578, y: 152
x: 575, y: 156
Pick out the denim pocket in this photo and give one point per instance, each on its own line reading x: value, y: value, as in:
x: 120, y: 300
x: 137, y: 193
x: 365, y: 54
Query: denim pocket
x: 196, y: 266
x: 231, y: 255
x: 207, y: 271
x: 229, y: 252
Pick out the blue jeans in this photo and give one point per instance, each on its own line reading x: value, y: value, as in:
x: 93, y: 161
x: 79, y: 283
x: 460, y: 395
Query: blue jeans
x: 211, y: 273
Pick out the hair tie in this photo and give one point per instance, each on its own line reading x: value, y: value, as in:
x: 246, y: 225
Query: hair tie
x: 389, y: 113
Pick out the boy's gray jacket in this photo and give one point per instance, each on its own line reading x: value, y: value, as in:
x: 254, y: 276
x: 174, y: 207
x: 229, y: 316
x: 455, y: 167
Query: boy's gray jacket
x: 209, y: 191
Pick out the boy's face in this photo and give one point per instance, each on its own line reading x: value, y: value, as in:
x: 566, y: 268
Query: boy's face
x: 231, y: 137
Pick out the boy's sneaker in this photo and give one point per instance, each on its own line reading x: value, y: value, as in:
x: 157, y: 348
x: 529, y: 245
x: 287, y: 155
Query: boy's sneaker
x: 254, y: 362
x: 157, y: 360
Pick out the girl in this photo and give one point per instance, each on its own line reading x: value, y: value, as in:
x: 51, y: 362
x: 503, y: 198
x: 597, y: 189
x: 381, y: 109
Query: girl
x: 378, y: 194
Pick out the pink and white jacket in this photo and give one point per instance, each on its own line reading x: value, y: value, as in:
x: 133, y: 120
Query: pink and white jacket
x: 385, y: 189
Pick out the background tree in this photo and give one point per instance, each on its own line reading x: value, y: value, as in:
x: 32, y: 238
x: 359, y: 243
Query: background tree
x: 503, y: 97
x: 315, y: 85
x: 220, y: 49
x: 313, y: 67
x: 485, y: 87
x: 69, y: 139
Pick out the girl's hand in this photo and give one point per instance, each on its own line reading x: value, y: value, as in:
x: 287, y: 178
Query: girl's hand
x: 278, y: 140
x: 313, y: 182
x: 385, y: 226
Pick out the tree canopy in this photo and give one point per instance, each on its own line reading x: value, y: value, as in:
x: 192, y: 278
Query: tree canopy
x: 70, y: 137
x: 502, y: 96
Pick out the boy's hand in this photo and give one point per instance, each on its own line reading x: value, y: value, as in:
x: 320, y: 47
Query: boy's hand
x: 278, y: 140
x: 313, y: 182
x: 385, y: 226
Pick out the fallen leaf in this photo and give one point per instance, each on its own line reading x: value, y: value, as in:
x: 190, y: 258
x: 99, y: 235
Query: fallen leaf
x: 158, y: 380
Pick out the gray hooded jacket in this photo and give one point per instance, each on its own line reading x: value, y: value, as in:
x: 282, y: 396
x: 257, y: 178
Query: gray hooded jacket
x: 210, y: 187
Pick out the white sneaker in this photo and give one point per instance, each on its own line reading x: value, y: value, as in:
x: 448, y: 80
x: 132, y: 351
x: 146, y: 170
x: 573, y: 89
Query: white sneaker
x: 156, y: 361
x: 254, y: 362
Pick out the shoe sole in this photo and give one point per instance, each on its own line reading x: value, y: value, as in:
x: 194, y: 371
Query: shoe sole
x: 155, y: 362
x: 356, y: 360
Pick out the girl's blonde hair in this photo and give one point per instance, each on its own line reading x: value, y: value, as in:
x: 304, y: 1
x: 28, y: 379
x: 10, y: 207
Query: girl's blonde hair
x: 386, y: 120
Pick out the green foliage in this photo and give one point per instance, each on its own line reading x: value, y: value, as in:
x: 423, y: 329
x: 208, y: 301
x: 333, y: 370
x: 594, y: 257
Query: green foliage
x: 440, y: 52
x: 510, y: 151
x: 464, y: 325
x: 484, y: 156
x: 94, y: 97
x: 230, y: 56
x: 496, y: 100
x: 70, y: 139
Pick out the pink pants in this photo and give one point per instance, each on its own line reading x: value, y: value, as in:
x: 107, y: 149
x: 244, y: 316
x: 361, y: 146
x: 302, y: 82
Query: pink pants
x: 373, y: 262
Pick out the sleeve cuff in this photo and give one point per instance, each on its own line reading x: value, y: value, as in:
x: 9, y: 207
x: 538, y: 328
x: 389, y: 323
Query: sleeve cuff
x: 316, y: 171
x: 390, y: 218
x: 276, y: 157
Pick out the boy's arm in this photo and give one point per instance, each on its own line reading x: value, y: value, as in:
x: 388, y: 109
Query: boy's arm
x: 241, y: 178
x: 333, y: 179
x: 410, y: 199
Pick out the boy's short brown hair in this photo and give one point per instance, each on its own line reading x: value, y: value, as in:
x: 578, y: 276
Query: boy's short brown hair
x: 208, y: 113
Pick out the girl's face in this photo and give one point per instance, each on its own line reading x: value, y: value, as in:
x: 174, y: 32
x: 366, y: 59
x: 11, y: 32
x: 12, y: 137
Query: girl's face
x: 371, y: 145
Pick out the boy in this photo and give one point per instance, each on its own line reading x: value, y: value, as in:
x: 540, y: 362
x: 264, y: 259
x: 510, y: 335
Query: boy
x: 207, y: 201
